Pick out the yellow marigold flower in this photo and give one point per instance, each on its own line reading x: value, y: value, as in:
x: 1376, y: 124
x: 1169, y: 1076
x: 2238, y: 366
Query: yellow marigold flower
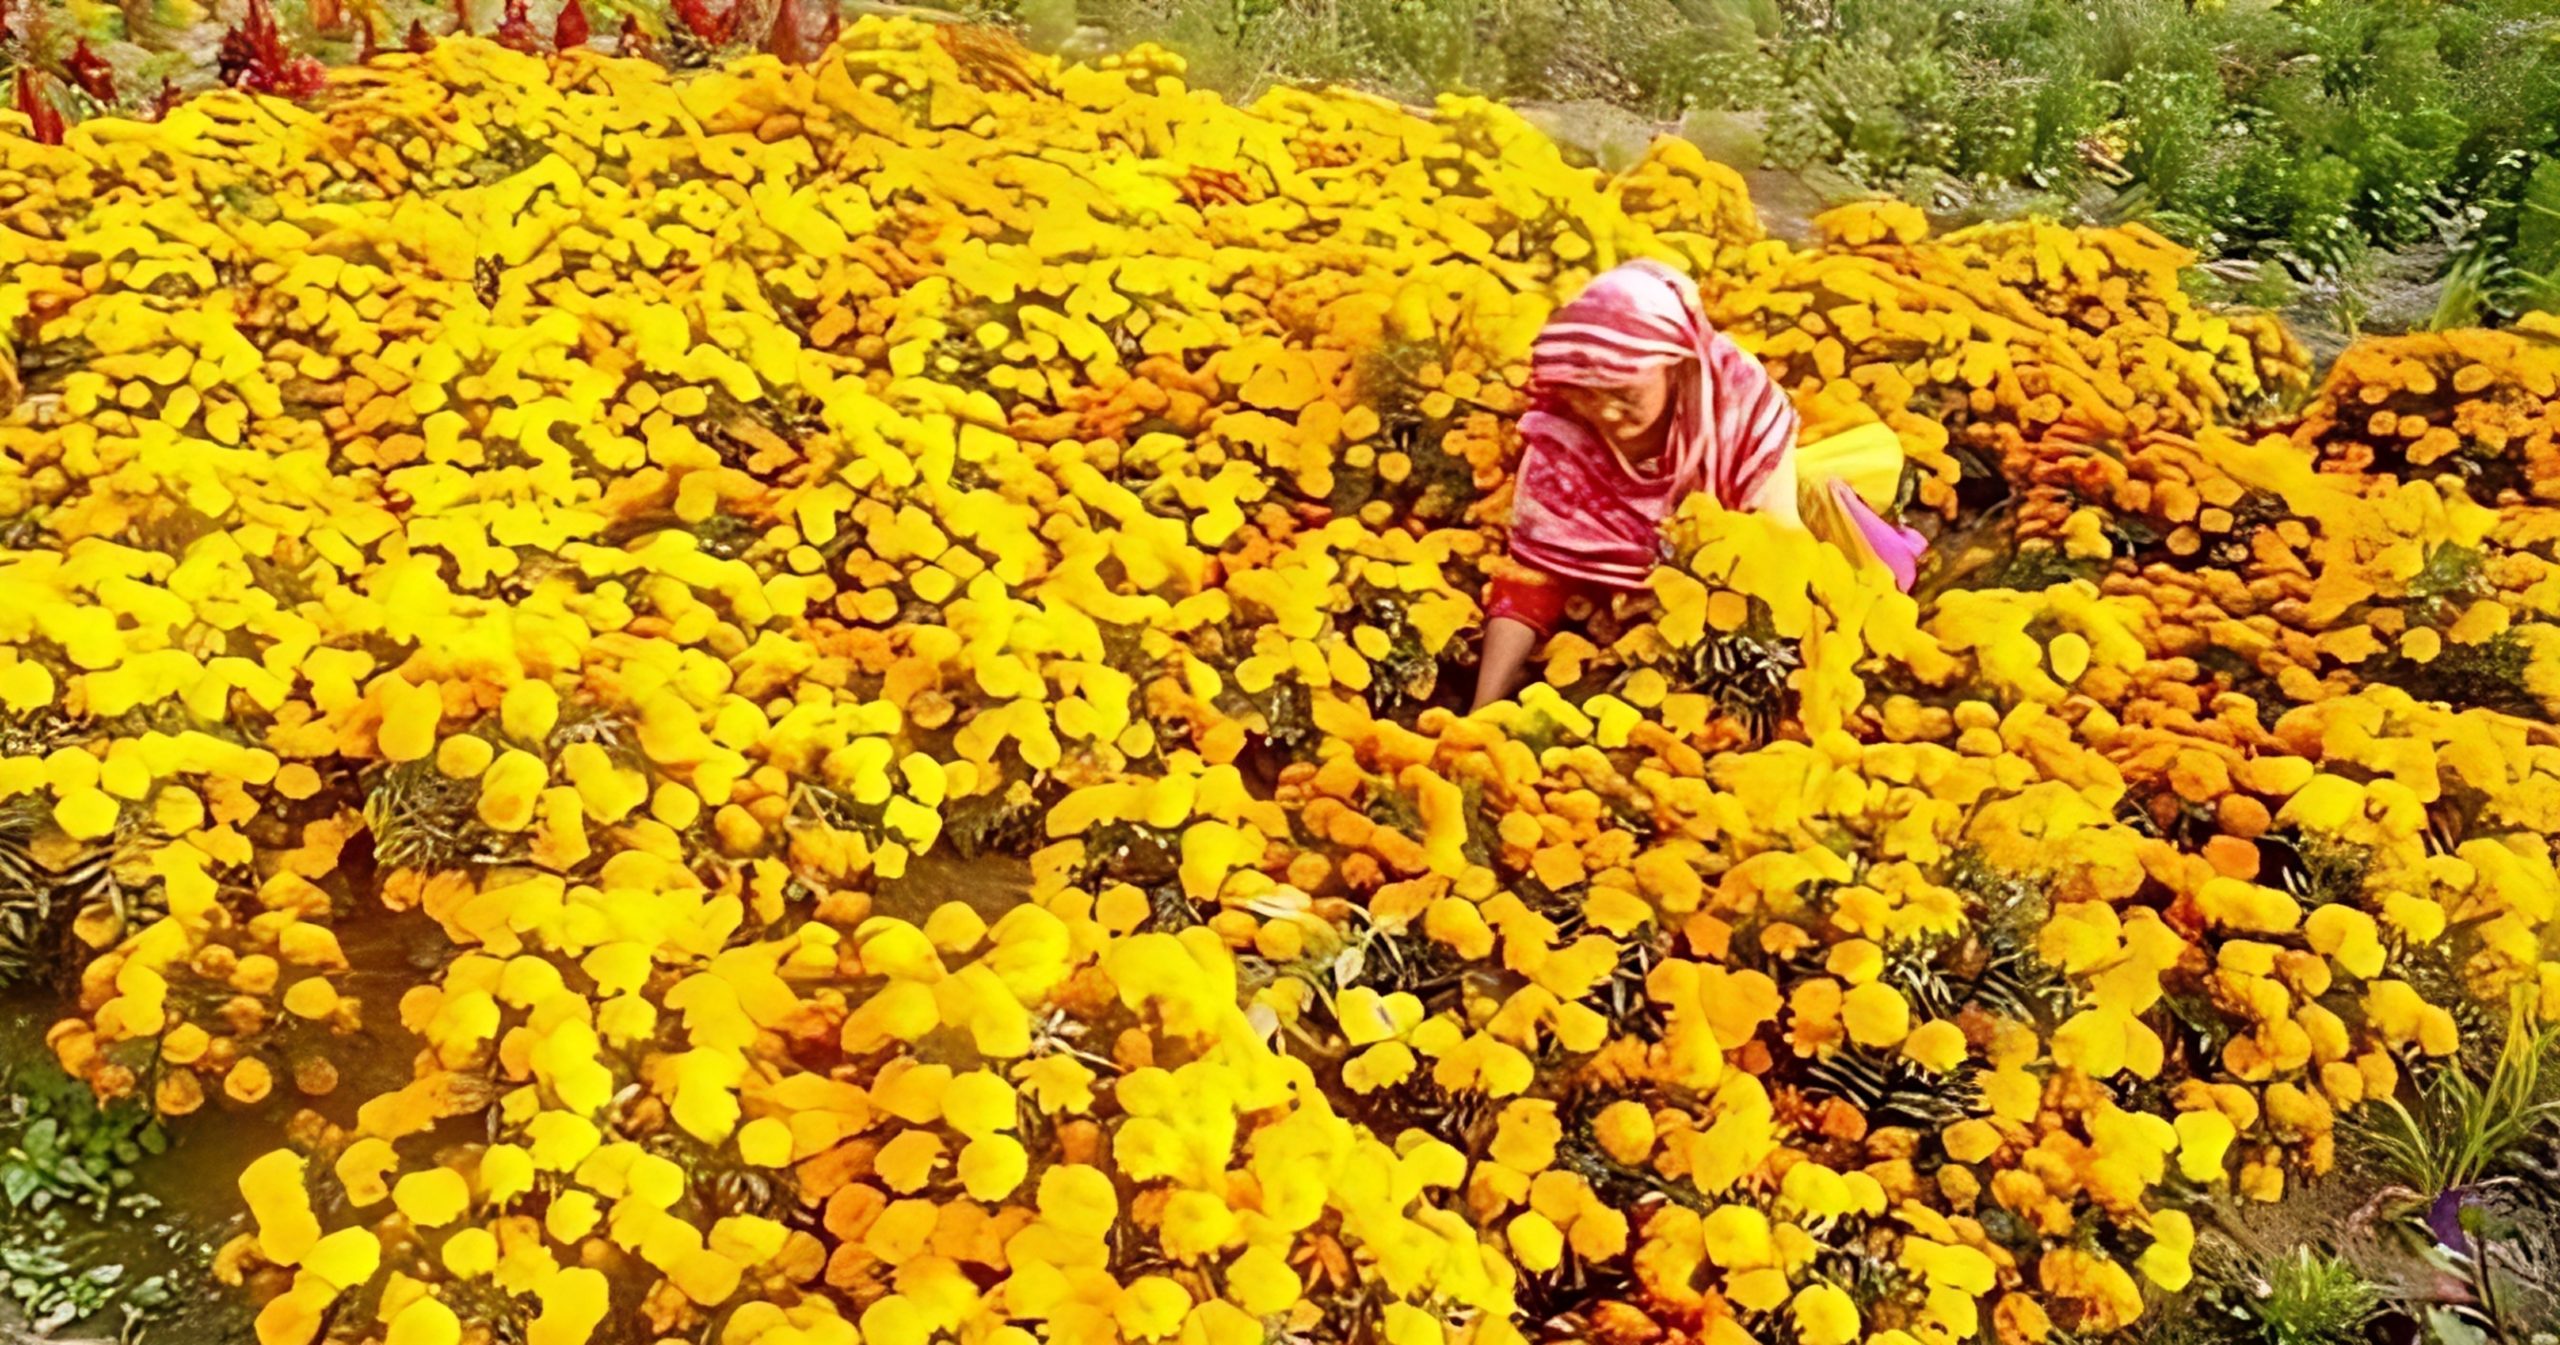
x: 561, y: 1140
x: 2105, y: 1294
x: 2395, y: 1010
x: 431, y: 1198
x: 281, y: 1205
x: 978, y: 1104
x: 1261, y: 1281
x: 1824, y: 1315
x: 1876, y: 1014
x: 1381, y: 1066
x: 87, y: 813
x: 765, y: 1142
x: 470, y: 1252
x: 1536, y: 1243
x: 1950, y: 1266
x: 2204, y: 1136
x: 1817, y: 1190
x: 1408, y: 1325
x: 362, y: 1169
x: 1971, y: 1141
x: 1760, y: 1290
x: 991, y: 1166
x: 293, y: 1317
x: 311, y: 997
x: 1625, y: 1130
x: 906, y: 1164
x: 506, y: 1171
x: 572, y: 1216
x: 1197, y: 1225
x: 1458, y: 923
x: 1057, y: 1084
x: 1856, y: 961
x: 1153, y: 1307
x: 463, y: 756
x: 1599, y: 1233
x: 1368, y: 1017
x: 1737, y: 1237
x: 344, y: 1259
x: 2165, y: 1261
x: 1937, y: 1045
x: 2422, y: 921
x: 1525, y: 1136
x: 572, y: 1301
x: 2103, y: 1041
x: 249, y: 1081
x: 1078, y: 1199
x: 425, y: 1321
x: 705, y: 1276
x: 509, y: 790
x: 410, y: 715
x: 528, y: 710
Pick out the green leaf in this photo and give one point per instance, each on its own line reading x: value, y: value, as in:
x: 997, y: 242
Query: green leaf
x: 41, y: 1140
x: 71, y: 1172
x: 2447, y: 1328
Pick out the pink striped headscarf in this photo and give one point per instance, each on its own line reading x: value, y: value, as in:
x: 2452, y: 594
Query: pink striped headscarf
x: 1582, y: 511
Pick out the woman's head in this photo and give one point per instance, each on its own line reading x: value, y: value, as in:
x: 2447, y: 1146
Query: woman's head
x: 1622, y: 413
x: 1615, y: 357
x: 1635, y: 350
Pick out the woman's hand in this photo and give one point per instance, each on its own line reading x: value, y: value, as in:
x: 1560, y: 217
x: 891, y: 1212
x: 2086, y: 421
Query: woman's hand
x: 1776, y: 496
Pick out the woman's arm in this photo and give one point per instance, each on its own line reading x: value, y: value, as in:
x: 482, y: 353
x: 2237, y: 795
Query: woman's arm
x: 1507, y: 644
x: 1776, y: 496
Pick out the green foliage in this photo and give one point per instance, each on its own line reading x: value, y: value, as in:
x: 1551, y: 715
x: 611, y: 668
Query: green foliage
x: 66, y: 1172
x: 1746, y: 674
x: 425, y: 819
x: 63, y: 1148
x: 2313, y: 1299
x: 2531, y: 274
x: 1713, y: 61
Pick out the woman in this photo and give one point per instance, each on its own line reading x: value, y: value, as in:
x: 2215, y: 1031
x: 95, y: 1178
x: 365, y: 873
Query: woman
x: 1636, y: 401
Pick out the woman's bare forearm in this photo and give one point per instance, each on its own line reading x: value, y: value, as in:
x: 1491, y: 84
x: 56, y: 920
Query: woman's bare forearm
x: 1507, y: 645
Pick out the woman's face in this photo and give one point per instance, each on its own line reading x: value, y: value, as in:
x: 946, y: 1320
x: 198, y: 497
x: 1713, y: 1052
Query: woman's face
x: 1622, y: 413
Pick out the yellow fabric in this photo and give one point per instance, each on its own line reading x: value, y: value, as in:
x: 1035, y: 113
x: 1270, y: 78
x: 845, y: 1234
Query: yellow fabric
x: 1824, y: 518
x: 1869, y: 458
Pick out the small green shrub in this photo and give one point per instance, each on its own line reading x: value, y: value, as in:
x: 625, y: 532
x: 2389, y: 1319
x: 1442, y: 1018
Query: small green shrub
x: 66, y: 1180
x: 2313, y: 1299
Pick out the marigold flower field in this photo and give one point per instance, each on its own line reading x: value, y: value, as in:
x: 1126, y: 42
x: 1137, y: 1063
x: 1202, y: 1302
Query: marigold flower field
x: 623, y: 519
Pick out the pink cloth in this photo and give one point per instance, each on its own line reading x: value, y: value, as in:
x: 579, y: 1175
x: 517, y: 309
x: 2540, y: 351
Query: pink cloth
x: 1897, y: 546
x: 1579, y: 509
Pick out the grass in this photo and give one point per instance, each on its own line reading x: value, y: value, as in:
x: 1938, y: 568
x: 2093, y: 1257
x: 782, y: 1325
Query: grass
x: 2465, y: 1125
